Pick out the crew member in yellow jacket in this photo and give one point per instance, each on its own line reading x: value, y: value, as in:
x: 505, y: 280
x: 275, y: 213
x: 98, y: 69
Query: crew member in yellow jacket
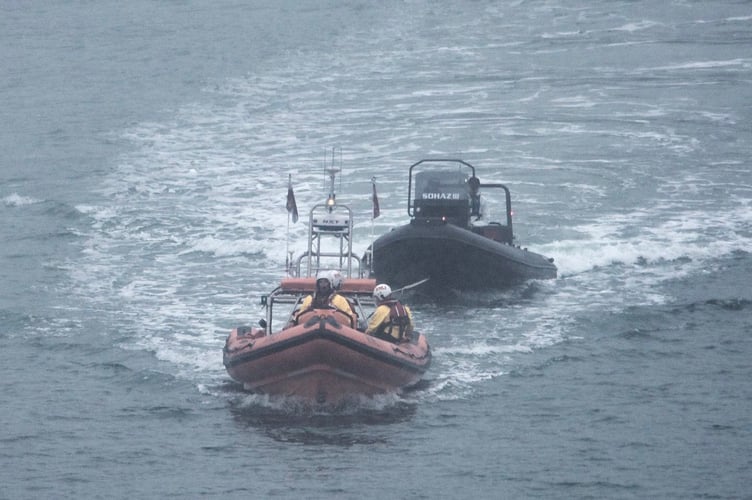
x: 391, y: 320
x: 325, y: 297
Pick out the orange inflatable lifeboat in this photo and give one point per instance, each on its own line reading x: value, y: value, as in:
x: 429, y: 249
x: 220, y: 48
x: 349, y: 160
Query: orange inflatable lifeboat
x: 324, y: 359
x: 323, y: 356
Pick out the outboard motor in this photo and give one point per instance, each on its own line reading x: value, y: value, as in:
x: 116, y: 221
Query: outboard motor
x: 441, y: 197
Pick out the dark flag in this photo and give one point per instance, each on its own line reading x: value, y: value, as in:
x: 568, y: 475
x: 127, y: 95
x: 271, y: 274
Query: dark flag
x: 376, y: 211
x: 292, y: 207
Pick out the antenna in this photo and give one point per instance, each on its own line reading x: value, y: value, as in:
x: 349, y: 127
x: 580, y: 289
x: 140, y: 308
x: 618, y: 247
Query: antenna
x: 332, y: 171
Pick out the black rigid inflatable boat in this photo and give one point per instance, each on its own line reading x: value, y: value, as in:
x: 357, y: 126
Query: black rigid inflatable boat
x: 448, y: 238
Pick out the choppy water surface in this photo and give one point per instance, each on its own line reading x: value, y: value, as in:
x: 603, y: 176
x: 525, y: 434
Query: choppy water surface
x: 146, y: 155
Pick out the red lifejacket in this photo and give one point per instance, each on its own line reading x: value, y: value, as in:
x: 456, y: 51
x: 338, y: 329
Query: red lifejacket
x: 398, y: 324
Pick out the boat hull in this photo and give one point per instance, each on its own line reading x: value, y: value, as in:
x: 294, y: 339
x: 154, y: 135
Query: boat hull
x: 323, y: 361
x: 453, y: 257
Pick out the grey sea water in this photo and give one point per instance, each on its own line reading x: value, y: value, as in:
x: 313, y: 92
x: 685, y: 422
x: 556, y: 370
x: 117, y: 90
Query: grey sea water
x: 145, y: 154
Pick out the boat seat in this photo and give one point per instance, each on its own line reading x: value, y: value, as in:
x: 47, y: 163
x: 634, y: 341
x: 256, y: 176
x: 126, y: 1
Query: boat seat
x: 341, y: 317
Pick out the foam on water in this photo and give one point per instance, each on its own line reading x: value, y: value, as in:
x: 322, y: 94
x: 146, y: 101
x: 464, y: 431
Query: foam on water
x: 16, y: 200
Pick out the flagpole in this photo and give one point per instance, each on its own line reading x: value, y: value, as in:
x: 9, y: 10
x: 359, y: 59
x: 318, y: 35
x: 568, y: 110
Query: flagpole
x: 370, y: 264
x: 292, y: 212
x: 287, y: 233
x: 376, y: 212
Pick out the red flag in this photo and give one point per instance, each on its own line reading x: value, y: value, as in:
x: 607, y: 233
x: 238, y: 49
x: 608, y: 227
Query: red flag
x: 376, y: 211
x: 292, y: 207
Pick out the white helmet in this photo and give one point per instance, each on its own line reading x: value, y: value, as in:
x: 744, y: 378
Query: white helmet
x: 336, y: 277
x: 324, y: 275
x: 382, y: 292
